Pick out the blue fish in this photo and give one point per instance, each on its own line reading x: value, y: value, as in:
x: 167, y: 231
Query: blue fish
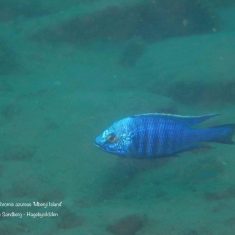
x: 156, y: 135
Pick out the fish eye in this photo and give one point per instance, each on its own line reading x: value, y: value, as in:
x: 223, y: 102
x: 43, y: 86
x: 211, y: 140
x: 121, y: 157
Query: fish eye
x: 112, y: 138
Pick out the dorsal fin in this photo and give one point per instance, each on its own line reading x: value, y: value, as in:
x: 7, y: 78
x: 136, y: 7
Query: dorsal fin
x: 187, y: 120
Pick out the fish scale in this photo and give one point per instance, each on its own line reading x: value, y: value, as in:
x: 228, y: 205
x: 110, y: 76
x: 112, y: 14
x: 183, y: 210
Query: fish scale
x: 160, y: 135
x: 149, y: 140
x: 149, y: 135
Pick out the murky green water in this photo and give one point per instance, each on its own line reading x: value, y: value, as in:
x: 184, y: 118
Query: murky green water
x: 68, y: 69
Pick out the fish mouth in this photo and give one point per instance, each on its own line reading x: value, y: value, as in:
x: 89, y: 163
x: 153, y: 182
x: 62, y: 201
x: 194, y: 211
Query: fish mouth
x: 98, y: 142
x: 101, y: 144
x: 97, y: 145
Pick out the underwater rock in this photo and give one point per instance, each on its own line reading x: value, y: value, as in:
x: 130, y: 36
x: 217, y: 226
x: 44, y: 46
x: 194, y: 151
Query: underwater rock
x: 10, y: 10
x: 85, y: 202
x: 230, y: 221
x: 201, y: 171
x: 168, y: 109
x: 18, y: 154
x: 55, y: 195
x: 12, y: 229
x: 8, y: 61
x: 1, y: 172
x: 51, y: 125
x: 119, y: 178
x: 69, y: 219
x: 123, y: 174
x: 4, y: 86
x: 131, y: 54
x: 200, y: 231
x: 191, y: 232
x: 128, y: 225
x: 149, y: 20
x: 9, y: 111
x: 21, y: 189
x: 227, y: 91
x: 186, y: 92
x: 221, y: 195
x: 220, y: 3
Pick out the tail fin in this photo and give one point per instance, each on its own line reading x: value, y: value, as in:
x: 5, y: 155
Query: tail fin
x: 222, y: 134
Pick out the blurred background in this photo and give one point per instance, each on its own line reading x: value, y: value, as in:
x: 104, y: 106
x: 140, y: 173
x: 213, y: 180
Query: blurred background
x: 68, y: 69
